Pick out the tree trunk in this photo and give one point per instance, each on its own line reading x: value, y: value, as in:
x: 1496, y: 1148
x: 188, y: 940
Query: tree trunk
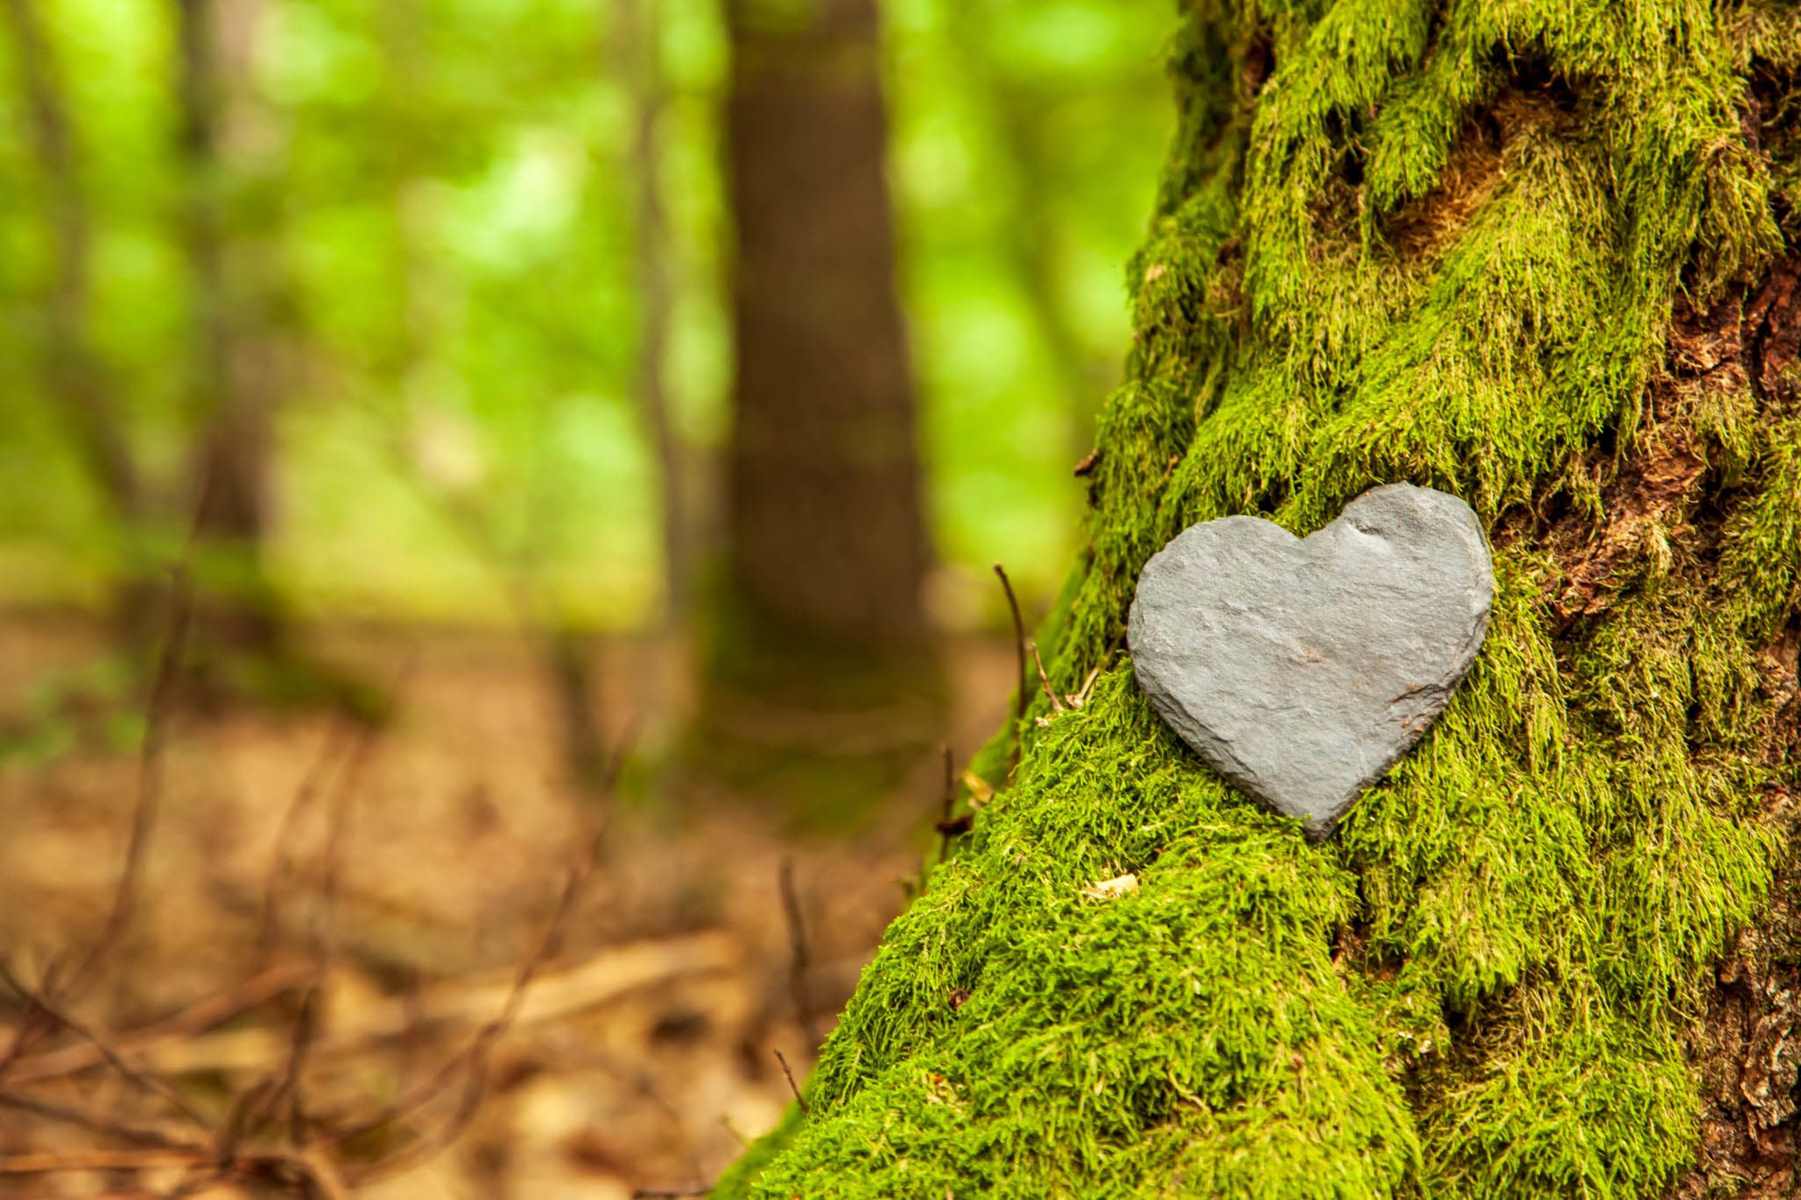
x: 1546, y: 257
x: 638, y: 26
x: 824, y: 635
x: 237, y: 364
x: 73, y: 369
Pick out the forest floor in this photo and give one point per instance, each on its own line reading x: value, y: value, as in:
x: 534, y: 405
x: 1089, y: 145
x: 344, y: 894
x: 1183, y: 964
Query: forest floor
x: 317, y: 973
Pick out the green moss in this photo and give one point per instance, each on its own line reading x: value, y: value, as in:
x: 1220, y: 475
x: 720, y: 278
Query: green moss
x: 1440, y: 243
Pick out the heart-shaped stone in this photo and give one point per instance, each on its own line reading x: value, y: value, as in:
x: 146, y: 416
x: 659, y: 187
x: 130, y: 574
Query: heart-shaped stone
x: 1303, y: 668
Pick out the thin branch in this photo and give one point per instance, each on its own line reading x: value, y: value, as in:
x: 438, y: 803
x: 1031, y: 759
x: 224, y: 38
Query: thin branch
x: 281, y: 858
x: 150, y: 773
x: 63, y: 1114
x: 1019, y: 646
x: 473, y: 1059
x: 98, y: 1160
x: 142, y: 1080
x: 1081, y: 698
x: 199, y: 1018
x: 313, y: 1168
x: 344, y: 796
x: 798, y: 959
x: 947, y: 829
x: 792, y: 1086
x: 143, y: 821
x: 1044, y: 681
x: 306, y: 1027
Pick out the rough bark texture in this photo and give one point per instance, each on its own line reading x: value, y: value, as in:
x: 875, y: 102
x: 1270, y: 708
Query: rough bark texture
x: 825, y: 541
x: 1542, y: 255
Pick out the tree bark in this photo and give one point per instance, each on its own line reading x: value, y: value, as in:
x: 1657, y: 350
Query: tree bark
x: 826, y: 545
x: 824, y: 521
x: 1547, y: 258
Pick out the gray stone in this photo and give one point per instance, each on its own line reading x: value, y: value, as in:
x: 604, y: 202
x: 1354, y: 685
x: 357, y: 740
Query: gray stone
x: 1302, y: 668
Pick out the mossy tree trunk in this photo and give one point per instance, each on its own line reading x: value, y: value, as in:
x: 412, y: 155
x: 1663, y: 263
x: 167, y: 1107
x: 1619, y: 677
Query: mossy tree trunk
x: 1545, y: 256
x: 822, y: 645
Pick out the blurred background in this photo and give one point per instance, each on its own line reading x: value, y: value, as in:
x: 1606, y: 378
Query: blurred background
x: 448, y: 444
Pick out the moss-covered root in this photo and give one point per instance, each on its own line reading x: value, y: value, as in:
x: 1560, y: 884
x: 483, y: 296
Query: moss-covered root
x: 1531, y: 252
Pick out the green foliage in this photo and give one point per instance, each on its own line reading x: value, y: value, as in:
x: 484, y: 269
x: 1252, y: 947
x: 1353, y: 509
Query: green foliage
x: 1444, y: 247
x: 445, y: 190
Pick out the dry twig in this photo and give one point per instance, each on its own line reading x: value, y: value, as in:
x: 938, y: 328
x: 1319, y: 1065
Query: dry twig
x: 1044, y: 682
x: 948, y: 826
x: 239, y: 1147
x: 140, y: 1079
x: 62, y: 1114
x: 799, y: 958
x: 57, y: 988
x: 1019, y: 646
x: 281, y: 858
x: 792, y: 1086
x: 196, y: 1019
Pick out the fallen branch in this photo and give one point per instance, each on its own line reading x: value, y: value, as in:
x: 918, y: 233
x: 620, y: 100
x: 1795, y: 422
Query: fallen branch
x: 559, y: 992
x: 197, y: 1019
x: 143, y: 1080
x: 57, y: 988
x: 63, y: 1114
x: 473, y: 1061
x: 99, y: 1160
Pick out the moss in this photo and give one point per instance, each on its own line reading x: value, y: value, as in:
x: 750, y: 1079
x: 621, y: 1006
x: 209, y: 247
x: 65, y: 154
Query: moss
x: 1442, y: 243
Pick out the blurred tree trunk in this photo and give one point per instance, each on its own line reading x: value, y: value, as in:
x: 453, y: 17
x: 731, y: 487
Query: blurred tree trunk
x: 74, y: 371
x: 826, y: 551
x: 1546, y: 257
x: 638, y: 38
x: 238, y: 368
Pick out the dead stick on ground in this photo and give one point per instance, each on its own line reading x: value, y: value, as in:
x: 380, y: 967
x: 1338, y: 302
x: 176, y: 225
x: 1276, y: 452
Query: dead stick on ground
x: 150, y: 773
x: 798, y: 960
x: 199, y: 1018
x: 98, y: 1160
x: 474, y: 1059
x: 792, y: 1086
x: 1019, y: 646
x: 140, y: 1079
x: 65, y: 1115
x: 281, y: 859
